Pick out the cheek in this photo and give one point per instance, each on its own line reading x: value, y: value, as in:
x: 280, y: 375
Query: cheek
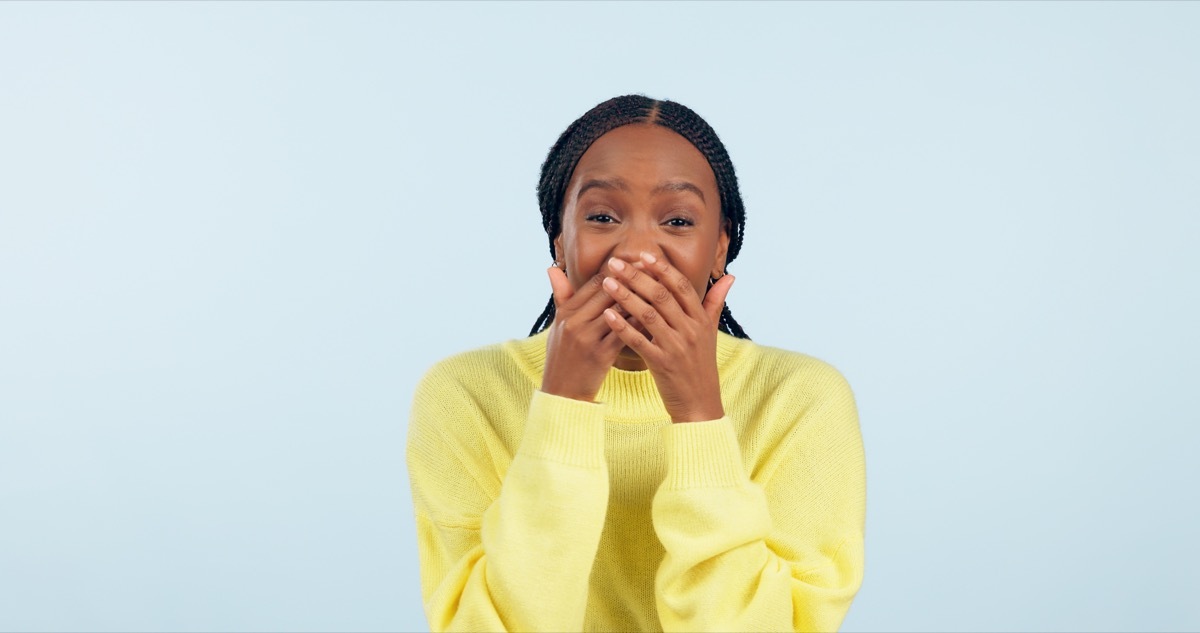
x: 696, y: 268
x: 583, y: 257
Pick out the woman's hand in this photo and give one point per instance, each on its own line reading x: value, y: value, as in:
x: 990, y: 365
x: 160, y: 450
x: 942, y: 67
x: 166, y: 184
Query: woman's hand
x: 581, y: 346
x: 681, y: 352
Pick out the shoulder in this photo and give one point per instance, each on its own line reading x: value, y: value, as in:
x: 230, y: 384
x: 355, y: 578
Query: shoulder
x: 487, y: 369
x: 485, y: 388
x: 788, y: 405
x: 466, y: 367
x: 776, y: 371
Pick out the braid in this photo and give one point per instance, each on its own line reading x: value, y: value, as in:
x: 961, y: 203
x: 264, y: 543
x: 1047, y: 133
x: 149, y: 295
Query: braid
x: 546, y: 319
x: 605, y: 117
x: 730, y: 326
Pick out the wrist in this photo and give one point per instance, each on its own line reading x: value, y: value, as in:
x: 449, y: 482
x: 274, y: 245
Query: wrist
x: 703, y: 413
x: 564, y: 391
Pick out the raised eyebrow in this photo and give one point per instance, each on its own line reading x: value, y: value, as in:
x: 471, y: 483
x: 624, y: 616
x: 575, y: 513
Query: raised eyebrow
x: 678, y: 186
x: 611, y: 184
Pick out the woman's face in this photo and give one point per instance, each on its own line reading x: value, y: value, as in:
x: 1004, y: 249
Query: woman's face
x: 642, y: 188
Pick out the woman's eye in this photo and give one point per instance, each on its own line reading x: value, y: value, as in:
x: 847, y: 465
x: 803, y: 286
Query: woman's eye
x: 679, y: 222
x: 602, y: 218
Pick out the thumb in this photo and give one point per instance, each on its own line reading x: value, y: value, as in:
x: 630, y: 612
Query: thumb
x: 560, y: 286
x: 714, y: 299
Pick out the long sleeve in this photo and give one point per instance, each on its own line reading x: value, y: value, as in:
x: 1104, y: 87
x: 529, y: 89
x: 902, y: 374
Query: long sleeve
x: 506, y: 546
x: 780, y: 551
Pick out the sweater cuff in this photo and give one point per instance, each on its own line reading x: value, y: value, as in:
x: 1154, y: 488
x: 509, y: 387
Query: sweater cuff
x: 565, y: 431
x: 703, y: 455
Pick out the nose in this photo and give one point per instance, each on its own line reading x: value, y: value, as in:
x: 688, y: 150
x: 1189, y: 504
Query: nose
x: 636, y: 241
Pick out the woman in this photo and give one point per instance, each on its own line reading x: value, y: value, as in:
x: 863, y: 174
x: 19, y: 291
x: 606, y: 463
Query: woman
x: 637, y: 463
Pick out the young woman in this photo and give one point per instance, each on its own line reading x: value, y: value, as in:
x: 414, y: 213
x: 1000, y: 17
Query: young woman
x: 637, y: 463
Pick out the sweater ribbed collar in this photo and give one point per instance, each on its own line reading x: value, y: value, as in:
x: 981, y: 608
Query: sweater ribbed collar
x: 629, y: 396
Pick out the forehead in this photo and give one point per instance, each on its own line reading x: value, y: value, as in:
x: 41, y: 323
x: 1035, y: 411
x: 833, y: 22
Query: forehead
x: 645, y: 154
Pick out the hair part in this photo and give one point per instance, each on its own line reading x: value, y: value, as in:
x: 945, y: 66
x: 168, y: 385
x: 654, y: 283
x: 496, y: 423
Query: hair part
x: 627, y: 110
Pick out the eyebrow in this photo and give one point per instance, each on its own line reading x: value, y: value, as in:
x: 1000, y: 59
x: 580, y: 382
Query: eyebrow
x: 602, y: 183
x: 618, y: 184
x: 679, y: 186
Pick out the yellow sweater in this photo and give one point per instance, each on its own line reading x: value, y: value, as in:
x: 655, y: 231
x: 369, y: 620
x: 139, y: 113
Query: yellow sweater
x: 541, y: 513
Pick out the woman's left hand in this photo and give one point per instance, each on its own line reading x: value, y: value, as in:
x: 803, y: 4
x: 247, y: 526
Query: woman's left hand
x: 681, y: 352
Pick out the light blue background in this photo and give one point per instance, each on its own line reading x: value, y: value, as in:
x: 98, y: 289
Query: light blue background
x: 233, y: 236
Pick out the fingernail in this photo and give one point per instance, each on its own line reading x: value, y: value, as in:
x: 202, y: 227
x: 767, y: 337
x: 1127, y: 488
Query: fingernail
x: 616, y: 264
x: 610, y: 315
x: 610, y: 283
x: 649, y: 259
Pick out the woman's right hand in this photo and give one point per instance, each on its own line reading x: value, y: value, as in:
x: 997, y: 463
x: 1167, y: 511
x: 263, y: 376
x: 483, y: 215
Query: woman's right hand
x: 581, y: 346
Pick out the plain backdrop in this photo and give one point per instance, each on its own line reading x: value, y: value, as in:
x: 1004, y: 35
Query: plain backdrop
x: 234, y: 235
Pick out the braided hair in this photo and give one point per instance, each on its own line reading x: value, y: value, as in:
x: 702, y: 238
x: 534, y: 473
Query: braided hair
x: 616, y: 112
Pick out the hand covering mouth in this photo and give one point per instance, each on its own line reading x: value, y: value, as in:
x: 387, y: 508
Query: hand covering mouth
x: 634, y: 322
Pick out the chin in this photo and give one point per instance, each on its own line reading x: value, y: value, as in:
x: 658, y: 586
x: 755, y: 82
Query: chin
x: 628, y: 353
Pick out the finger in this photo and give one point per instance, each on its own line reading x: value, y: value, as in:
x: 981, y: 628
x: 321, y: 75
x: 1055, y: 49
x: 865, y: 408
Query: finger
x: 636, y: 306
x: 560, y: 286
x: 567, y: 297
x: 591, y: 299
x: 568, y: 301
x: 610, y: 342
x: 649, y: 289
x: 581, y: 313
x: 630, y: 336
x: 680, y: 286
x: 714, y: 299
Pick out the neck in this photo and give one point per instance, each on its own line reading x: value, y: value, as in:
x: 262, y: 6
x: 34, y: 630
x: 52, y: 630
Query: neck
x: 628, y: 360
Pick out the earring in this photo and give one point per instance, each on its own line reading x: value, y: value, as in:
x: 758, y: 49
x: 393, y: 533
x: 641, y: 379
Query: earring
x: 561, y: 266
x: 712, y: 280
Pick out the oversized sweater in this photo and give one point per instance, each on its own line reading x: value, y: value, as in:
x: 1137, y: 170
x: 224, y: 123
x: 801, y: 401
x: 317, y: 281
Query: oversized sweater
x: 541, y: 513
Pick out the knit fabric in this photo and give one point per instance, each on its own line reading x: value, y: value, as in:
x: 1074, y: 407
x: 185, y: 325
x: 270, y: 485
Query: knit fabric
x: 541, y: 513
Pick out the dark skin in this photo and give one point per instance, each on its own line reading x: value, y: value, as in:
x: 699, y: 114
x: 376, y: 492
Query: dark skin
x: 642, y: 233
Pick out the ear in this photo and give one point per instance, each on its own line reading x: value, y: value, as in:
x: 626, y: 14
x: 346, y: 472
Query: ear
x: 558, y: 249
x: 722, y: 250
